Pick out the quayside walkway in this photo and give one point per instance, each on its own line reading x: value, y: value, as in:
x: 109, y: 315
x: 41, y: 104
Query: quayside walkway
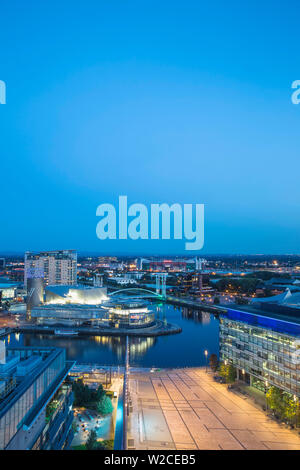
x: 186, y: 409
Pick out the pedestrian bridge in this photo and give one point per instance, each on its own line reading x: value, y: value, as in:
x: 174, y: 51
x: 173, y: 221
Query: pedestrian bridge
x: 143, y: 293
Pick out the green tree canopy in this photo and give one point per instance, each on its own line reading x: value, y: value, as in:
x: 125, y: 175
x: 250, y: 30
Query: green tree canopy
x: 243, y: 285
x: 91, y: 442
x: 275, y: 400
x: 84, y: 396
x: 228, y: 372
x: 104, y: 405
x: 213, y: 362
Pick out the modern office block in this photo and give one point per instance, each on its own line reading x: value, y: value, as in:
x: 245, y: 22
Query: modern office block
x: 265, y: 351
x: 35, y: 402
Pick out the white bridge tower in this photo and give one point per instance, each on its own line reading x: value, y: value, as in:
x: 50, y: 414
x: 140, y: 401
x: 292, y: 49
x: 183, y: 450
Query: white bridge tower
x: 161, y: 282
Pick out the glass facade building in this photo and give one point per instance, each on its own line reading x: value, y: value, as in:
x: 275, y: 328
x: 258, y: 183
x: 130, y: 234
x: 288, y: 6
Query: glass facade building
x: 264, y: 350
x: 117, y: 313
x: 39, y: 373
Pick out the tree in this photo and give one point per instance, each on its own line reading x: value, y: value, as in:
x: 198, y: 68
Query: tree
x: 105, y: 445
x: 91, y: 442
x: 82, y: 394
x: 283, y: 405
x: 99, y: 392
x: 223, y: 371
x: 267, y: 275
x: 228, y: 372
x: 51, y: 407
x: 242, y: 285
x: 241, y: 301
x: 275, y: 400
x: 231, y: 375
x: 104, y: 405
x: 291, y: 408
x: 213, y: 362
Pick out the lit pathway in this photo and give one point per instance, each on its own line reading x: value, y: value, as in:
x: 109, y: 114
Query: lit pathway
x: 186, y: 409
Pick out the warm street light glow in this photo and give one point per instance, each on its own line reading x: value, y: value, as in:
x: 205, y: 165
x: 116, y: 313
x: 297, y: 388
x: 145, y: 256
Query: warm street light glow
x: 206, y: 353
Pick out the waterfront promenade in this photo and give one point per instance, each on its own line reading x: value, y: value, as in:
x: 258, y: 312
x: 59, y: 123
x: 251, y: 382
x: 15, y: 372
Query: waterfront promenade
x: 196, y: 304
x: 160, y: 328
x: 186, y: 409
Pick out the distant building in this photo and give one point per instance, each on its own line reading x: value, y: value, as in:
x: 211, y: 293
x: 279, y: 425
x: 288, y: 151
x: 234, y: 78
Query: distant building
x: 35, y: 403
x: 286, y: 304
x: 7, y: 290
x: 195, y: 283
x: 167, y: 265
x: 123, y: 280
x: 58, y: 267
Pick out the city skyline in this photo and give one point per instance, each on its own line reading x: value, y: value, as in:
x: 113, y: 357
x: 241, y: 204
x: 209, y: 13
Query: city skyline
x: 149, y: 246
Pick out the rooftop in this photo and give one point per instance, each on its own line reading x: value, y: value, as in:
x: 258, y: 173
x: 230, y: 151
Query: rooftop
x: 275, y: 321
x: 28, y: 359
x: 289, y: 298
x: 10, y: 285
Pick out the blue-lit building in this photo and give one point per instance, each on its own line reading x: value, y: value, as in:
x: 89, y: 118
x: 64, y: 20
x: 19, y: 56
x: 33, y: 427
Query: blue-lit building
x: 35, y: 402
x: 265, y: 350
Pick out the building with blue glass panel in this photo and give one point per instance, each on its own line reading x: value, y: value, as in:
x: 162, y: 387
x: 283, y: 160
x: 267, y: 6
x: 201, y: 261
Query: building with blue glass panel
x: 264, y: 350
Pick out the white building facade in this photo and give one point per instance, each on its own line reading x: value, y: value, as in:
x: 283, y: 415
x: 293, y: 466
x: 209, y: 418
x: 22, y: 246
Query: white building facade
x: 58, y: 267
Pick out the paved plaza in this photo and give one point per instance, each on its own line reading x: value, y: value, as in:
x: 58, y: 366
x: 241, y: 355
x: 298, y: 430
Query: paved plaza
x: 185, y: 409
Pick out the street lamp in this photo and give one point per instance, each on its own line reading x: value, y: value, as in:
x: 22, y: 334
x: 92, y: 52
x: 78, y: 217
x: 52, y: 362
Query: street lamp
x: 266, y: 389
x: 206, y: 354
x: 296, y: 401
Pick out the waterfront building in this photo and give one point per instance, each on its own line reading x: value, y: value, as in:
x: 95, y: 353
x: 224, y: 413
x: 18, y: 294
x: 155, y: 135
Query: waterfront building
x: 35, y: 402
x: 58, y: 267
x: 35, y: 289
x: 59, y: 314
x: 117, y: 312
x: 264, y: 350
x: 127, y: 313
x: 79, y: 294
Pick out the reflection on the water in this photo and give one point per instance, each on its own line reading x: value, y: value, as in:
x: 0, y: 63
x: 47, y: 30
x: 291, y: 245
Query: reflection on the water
x: 115, y: 344
x: 138, y: 346
x: 200, y: 332
x: 198, y: 316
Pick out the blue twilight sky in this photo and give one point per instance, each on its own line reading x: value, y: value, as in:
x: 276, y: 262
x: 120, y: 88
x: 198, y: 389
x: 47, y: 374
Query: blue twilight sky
x: 162, y: 101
